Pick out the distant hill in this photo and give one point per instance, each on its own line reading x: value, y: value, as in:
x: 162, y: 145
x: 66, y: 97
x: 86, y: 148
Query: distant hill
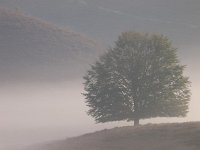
x: 176, y: 136
x: 34, y: 50
x: 106, y: 19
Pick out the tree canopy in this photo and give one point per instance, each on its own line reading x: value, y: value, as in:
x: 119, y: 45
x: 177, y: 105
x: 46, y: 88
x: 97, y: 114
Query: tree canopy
x: 140, y: 77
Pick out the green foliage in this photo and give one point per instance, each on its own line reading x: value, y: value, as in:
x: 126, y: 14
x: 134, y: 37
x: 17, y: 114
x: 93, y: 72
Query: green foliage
x: 140, y: 77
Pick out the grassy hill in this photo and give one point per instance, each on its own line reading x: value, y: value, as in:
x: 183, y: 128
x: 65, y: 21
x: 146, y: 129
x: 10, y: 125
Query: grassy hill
x: 175, y: 136
x: 32, y: 49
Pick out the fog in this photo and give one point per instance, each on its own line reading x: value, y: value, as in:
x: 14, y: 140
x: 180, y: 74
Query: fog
x: 36, y: 112
x: 33, y: 112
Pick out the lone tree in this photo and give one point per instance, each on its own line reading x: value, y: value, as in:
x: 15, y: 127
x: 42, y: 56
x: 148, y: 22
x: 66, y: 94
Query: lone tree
x: 139, y: 78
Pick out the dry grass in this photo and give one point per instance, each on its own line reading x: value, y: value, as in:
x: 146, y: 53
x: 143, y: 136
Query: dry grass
x: 176, y: 136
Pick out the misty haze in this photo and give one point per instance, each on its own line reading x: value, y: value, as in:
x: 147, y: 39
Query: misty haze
x: 47, y: 47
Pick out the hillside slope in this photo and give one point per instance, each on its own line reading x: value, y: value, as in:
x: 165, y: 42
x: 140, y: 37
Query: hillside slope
x: 31, y: 49
x: 177, y: 136
x: 105, y: 19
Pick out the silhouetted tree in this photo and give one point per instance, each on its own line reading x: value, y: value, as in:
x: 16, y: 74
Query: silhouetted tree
x: 140, y: 77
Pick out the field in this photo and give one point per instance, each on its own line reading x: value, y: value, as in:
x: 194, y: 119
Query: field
x: 175, y: 136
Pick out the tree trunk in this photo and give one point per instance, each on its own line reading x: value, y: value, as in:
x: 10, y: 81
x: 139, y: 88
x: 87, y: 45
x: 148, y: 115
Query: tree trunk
x: 136, y: 122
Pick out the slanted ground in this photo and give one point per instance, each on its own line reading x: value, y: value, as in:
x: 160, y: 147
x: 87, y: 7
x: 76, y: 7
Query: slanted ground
x: 175, y: 136
x: 32, y: 49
